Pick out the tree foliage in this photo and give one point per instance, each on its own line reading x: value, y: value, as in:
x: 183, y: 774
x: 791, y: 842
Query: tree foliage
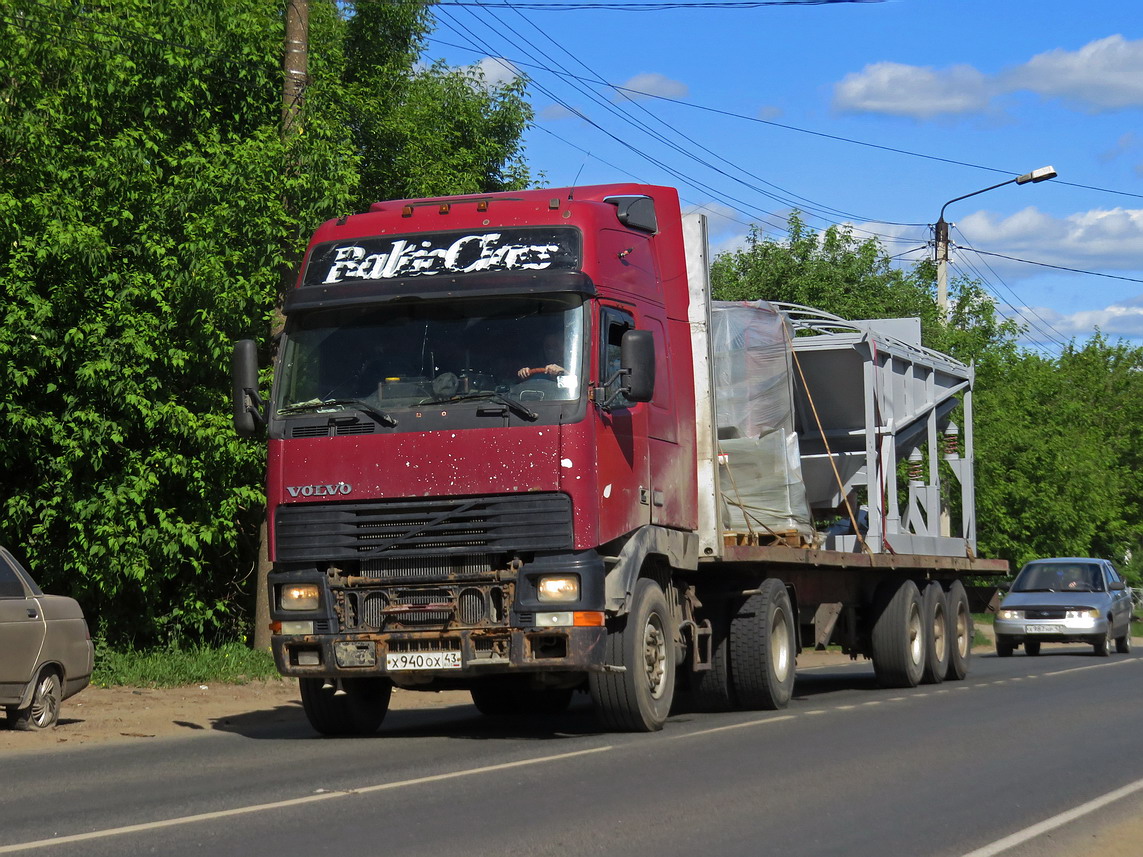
x: 148, y: 204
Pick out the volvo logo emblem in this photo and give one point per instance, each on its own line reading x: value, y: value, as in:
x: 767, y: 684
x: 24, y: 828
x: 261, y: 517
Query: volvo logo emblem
x: 319, y: 490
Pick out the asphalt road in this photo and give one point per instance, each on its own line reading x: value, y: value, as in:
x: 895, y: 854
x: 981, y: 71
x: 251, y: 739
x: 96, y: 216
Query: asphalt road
x: 848, y: 769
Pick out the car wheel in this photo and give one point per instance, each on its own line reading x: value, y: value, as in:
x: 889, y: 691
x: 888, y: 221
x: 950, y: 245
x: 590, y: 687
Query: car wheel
x: 1032, y: 648
x: 1103, y: 647
x: 44, y: 710
x: 1123, y: 644
x: 1004, y: 647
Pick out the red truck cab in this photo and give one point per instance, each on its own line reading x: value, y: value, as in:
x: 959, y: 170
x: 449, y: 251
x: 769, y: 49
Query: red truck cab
x: 479, y: 402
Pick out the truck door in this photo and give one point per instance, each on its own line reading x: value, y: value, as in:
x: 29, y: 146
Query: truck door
x: 623, y: 475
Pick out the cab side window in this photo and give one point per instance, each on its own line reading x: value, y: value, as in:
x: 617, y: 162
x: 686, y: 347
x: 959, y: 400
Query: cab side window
x: 613, y: 324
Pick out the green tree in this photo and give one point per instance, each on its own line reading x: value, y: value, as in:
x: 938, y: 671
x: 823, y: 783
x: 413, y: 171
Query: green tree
x: 147, y: 207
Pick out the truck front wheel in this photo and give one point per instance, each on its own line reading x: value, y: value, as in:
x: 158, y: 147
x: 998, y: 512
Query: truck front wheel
x: 762, y: 649
x: 358, y: 710
x: 637, y: 697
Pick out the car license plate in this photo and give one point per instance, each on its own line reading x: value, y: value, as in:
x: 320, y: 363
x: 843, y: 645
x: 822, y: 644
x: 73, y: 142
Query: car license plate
x: 395, y: 661
x: 1042, y: 629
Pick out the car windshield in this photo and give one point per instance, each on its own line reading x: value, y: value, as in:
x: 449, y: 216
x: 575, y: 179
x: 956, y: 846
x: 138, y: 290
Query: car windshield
x: 408, y: 354
x: 1059, y: 577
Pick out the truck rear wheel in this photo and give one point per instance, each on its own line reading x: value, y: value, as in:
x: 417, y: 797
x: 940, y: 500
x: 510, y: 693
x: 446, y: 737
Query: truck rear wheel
x: 638, y: 698
x: 899, y: 636
x: 357, y: 711
x: 960, y: 631
x: 762, y: 649
x: 937, y: 637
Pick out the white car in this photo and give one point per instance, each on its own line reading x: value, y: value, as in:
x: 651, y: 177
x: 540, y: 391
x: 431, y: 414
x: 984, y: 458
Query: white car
x: 1065, y: 600
x: 46, y: 653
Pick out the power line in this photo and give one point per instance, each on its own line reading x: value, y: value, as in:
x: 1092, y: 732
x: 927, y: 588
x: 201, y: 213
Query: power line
x: 1057, y: 267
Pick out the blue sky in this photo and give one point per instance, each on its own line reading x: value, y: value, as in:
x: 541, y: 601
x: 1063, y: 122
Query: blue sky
x: 872, y: 114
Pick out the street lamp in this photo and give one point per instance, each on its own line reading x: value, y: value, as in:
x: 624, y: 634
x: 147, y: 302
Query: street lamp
x: 942, y: 230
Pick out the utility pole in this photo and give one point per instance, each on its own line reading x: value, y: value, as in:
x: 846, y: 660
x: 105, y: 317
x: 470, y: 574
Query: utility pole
x: 295, y: 64
x: 295, y: 75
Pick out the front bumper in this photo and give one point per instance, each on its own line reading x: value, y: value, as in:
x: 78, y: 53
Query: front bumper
x: 1051, y: 630
x: 482, y: 652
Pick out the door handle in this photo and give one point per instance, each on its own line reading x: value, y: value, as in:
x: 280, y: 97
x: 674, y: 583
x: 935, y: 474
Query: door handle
x: 32, y: 614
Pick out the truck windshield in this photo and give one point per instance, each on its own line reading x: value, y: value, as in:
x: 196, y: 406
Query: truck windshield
x: 403, y: 355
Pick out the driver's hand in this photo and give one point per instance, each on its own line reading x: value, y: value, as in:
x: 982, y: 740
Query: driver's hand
x: 555, y: 369
x: 524, y: 374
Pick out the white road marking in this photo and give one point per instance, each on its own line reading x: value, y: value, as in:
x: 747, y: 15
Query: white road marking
x: 283, y: 804
x: 1055, y: 821
x: 743, y: 725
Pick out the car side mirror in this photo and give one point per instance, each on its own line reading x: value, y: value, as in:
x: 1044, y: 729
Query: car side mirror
x: 637, y: 358
x: 1117, y: 586
x: 247, y: 403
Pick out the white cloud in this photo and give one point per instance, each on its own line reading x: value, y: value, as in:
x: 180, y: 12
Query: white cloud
x: 906, y: 90
x: 650, y: 83
x: 1100, y: 239
x: 496, y: 71
x: 1106, y: 74
x: 557, y: 111
x: 1103, y: 75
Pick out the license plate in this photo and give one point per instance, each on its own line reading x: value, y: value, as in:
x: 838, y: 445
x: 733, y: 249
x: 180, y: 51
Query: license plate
x: 1042, y: 629
x: 395, y: 661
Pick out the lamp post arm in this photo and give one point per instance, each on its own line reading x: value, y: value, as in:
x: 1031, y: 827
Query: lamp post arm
x: 974, y: 193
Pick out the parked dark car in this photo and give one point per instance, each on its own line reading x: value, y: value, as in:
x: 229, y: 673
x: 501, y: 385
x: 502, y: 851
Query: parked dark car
x: 45, y: 649
x: 1065, y: 600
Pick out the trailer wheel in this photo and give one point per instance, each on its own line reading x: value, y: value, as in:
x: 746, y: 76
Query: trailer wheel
x: 357, y: 711
x: 504, y: 696
x: 937, y: 636
x: 710, y: 689
x: 961, y: 631
x: 899, y: 636
x: 638, y: 698
x: 763, y: 649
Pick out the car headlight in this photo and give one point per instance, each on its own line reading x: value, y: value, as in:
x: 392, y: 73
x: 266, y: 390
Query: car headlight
x: 1010, y: 614
x: 299, y: 596
x: 562, y: 588
x: 1090, y: 613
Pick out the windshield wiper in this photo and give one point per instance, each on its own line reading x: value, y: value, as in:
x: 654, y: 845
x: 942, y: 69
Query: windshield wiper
x: 514, y: 405
x: 316, y: 405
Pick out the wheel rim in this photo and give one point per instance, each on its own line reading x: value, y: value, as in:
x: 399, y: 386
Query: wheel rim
x: 779, y: 645
x: 962, y: 630
x: 940, y: 644
x: 46, y: 703
x: 914, y: 630
x: 655, y: 656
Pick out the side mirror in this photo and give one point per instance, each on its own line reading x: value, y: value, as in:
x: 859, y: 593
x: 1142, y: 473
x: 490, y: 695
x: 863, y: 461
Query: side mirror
x: 1117, y: 586
x: 637, y: 358
x: 247, y: 403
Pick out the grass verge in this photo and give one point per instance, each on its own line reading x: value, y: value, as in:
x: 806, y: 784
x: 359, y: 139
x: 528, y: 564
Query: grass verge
x: 231, y: 663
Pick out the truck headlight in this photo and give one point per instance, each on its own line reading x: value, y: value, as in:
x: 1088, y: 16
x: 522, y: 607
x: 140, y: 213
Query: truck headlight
x: 299, y: 596
x: 563, y: 588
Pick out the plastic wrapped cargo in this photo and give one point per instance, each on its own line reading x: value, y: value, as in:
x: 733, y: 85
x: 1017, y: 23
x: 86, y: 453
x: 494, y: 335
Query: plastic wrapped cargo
x: 760, y: 474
